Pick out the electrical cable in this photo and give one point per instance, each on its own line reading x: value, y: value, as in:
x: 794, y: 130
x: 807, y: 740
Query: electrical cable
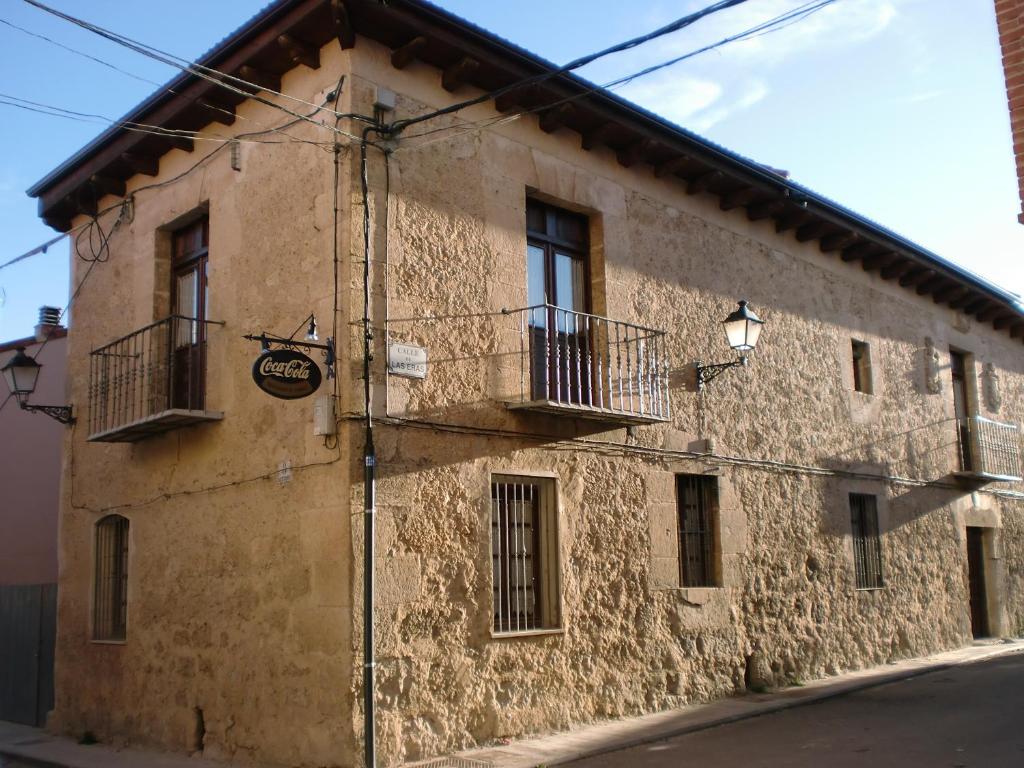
x: 209, y: 74
x: 771, y: 25
x: 674, y: 26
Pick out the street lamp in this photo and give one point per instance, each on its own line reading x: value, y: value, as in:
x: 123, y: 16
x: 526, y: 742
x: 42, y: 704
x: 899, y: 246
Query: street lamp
x: 21, y: 373
x: 742, y: 329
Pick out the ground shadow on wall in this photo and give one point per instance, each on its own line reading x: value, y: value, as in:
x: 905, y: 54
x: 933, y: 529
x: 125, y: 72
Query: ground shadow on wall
x: 906, y: 505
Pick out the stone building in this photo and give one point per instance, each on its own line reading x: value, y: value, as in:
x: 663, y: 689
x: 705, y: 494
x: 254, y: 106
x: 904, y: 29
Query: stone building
x: 1010, y: 20
x: 568, y: 527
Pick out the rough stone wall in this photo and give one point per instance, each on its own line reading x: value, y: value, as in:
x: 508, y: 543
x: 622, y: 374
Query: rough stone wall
x: 239, y: 595
x: 787, y: 438
x: 1010, y: 18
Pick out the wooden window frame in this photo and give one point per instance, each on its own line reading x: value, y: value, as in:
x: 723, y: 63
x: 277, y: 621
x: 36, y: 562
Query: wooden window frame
x: 530, y: 551
x: 866, y: 539
x: 697, y: 514
x: 110, y: 581
x: 863, y: 380
x: 183, y: 261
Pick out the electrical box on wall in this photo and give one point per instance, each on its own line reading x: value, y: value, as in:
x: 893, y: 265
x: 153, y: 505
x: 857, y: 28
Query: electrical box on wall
x: 324, y: 422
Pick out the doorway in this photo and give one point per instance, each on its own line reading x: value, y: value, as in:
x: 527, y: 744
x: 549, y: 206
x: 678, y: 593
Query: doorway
x: 976, y: 581
x: 958, y: 365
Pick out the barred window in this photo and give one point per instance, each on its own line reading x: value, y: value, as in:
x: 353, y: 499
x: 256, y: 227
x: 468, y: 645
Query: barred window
x: 867, y: 546
x: 697, y: 497
x: 110, y: 596
x: 524, y: 553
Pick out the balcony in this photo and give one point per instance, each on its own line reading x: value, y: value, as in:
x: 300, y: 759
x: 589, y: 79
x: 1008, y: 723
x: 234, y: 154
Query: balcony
x: 989, y: 451
x: 153, y: 380
x: 578, y: 364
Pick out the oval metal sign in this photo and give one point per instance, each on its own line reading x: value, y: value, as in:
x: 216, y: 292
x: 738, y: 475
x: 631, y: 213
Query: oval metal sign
x: 286, y: 373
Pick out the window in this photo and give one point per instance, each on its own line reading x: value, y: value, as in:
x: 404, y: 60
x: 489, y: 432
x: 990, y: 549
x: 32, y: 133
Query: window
x: 189, y: 304
x: 110, y: 596
x: 962, y: 371
x: 697, y: 498
x: 556, y: 287
x: 862, y: 367
x: 867, y: 546
x: 524, y: 553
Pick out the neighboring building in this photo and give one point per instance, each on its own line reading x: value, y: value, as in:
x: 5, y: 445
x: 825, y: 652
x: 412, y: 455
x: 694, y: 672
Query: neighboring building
x: 30, y: 462
x: 1010, y: 18
x: 567, y: 529
x: 30, y: 476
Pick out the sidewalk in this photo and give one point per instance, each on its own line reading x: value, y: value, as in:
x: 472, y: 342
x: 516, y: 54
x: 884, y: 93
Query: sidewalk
x: 21, y: 745
x: 609, y: 736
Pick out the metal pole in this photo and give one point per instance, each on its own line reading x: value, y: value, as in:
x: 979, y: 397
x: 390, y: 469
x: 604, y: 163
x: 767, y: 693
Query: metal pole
x: 369, y: 663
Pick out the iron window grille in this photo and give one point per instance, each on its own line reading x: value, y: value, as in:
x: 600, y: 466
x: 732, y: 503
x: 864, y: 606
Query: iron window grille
x: 867, y: 544
x: 110, y: 596
x: 524, y: 554
x: 697, y: 497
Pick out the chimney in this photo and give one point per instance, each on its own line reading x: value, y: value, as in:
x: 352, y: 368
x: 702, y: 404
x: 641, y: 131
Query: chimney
x: 49, y: 318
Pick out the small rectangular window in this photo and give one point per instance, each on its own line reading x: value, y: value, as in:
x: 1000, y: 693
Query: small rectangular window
x: 110, y: 589
x: 862, y: 367
x: 867, y: 545
x: 697, y: 497
x: 524, y: 553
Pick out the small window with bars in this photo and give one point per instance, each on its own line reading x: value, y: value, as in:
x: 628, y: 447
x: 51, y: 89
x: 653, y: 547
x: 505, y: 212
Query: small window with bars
x: 524, y: 553
x: 110, y: 596
x: 867, y: 544
x: 862, y: 367
x: 697, y: 497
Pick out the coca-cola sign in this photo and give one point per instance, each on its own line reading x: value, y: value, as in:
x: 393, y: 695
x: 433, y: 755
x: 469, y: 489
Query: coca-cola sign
x: 286, y: 373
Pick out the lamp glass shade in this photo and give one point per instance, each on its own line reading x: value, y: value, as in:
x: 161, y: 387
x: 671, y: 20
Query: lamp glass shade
x: 21, y: 373
x: 743, y: 328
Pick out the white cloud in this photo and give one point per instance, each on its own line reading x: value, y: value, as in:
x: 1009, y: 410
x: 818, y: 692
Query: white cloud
x: 674, y: 97
x: 753, y: 93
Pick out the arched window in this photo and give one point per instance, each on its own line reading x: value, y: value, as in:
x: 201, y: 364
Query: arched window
x: 110, y: 596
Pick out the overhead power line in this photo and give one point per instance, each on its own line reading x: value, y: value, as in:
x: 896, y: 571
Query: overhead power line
x: 667, y: 29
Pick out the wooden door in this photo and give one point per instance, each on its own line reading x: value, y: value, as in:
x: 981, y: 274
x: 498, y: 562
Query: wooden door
x: 190, y: 298
x: 976, y: 581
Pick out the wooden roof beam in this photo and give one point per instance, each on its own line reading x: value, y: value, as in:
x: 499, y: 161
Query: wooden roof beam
x: 147, y: 165
x: 552, y: 119
x: 632, y: 154
x: 978, y: 303
x: 875, y: 261
x: 300, y: 52
x: 851, y: 251
x: 107, y: 185
x: 217, y: 113
x: 459, y: 73
x: 670, y: 166
x: 1005, y: 320
x: 408, y: 53
x: 948, y: 292
x: 794, y: 219
x: 929, y: 285
x: 736, y: 198
x: 897, y: 268
x: 914, y: 276
x: 344, y: 30
x: 524, y: 96
x: 765, y: 208
x: 812, y: 231
x: 702, y: 183
x: 963, y: 300
x: 85, y: 200
x: 1017, y: 330
x: 989, y: 313
x: 179, y: 141
x: 597, y: 136
x: 264, y: 80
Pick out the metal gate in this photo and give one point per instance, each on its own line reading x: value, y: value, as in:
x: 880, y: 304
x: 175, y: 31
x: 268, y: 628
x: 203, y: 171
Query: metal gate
x: 28, y: 627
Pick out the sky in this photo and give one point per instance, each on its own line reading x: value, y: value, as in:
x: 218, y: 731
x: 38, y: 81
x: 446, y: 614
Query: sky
x: 893, y: 108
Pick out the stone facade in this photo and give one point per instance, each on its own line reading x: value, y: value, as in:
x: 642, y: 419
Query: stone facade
x: 244, y: 572
x: 1010, y: 18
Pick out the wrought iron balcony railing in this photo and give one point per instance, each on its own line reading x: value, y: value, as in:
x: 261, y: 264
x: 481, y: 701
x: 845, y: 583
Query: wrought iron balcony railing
x: 989, y: 450
x: 591, y: 366
x: 150, y: 381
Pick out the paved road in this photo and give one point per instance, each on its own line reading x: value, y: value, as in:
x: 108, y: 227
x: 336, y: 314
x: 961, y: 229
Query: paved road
x: 970, y: 716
